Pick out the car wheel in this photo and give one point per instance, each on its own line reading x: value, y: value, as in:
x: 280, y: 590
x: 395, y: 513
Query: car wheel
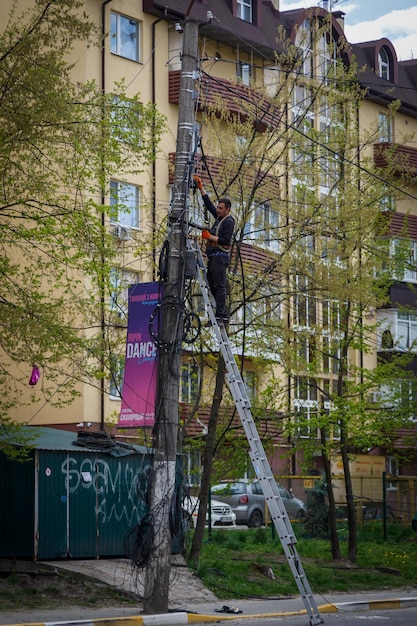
x: 300, y: 515
x: 256, y: 519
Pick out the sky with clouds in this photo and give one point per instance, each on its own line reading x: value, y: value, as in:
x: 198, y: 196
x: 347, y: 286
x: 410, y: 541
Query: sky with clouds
x: 366, y: 20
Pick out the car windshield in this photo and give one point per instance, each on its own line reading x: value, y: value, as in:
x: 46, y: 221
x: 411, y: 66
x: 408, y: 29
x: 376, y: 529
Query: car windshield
x: 229, y: 489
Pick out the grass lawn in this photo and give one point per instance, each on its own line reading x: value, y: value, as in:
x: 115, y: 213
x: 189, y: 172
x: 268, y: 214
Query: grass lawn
x: 251, y: 563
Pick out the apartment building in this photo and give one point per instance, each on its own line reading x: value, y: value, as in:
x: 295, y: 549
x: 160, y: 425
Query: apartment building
x: 267, y: 111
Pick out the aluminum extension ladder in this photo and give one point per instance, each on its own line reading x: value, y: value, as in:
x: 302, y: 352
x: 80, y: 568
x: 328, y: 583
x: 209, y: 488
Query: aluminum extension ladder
x: 257, y: 454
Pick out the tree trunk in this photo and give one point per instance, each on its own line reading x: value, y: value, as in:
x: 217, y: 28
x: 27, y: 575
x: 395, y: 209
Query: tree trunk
x: 352, y: 524
x: 208, y: 463
x: 334, y: 539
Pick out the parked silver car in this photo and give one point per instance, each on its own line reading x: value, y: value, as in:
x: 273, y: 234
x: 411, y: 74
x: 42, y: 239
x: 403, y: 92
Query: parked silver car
x: 248, y: 502
x: 221, y: 513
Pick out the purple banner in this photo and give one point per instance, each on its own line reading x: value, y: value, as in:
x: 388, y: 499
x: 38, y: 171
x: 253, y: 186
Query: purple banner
x: 141, y: 367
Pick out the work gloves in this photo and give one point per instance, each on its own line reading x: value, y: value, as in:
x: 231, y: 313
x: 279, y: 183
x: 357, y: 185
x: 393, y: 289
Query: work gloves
x: 198, y: 182
x: 205, y: 234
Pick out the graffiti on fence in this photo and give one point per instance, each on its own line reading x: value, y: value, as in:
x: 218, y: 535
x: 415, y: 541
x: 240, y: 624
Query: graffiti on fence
x: 116, y: 486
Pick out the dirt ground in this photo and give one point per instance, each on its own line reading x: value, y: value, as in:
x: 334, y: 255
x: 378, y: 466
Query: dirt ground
x: 45, y: 588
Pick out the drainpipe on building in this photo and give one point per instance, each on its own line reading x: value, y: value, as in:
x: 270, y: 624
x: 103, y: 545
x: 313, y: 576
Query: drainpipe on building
x: 103, y: 222
x: 154, y: 275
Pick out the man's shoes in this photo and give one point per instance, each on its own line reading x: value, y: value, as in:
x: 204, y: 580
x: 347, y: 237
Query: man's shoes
x: 220, y: 319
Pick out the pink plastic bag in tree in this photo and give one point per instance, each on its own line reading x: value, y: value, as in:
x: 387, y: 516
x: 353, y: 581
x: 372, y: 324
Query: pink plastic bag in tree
x: 35, y: 375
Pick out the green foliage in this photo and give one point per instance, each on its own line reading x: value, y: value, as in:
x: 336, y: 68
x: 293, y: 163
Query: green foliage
x: 60, y: 143
x: 15, y: 443
x: 231, y: 569
x: 316, y: 522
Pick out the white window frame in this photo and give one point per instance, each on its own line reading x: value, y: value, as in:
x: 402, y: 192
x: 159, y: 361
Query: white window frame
x: 326, y: 58
x: 249, y: 378
x: 307, y: 404
x: 410, y: 272
x: 383, y: 63
x: 190, y: 381
x: 244, y: 72
x: 303, y: 153
x: 403, y: 328
x: 304, y: 45
x: 116, y: 387
x: 244, y: 10
x: 120, y: 114
x: 262, y: 227
x: 125, y: 203
x: 407, y: 330
x: 271, y: 79
x: 120, y: 281
x: 124, y: 36
x: 310, y: 305
x: 392, y: 467
x: 193, y: 468
x: 384, y: 128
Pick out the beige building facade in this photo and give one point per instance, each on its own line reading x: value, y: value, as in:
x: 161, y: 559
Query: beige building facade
x: 242, y: 47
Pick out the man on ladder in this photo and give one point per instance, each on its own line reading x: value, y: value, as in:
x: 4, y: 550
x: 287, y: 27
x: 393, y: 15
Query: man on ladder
x: 218, y: 244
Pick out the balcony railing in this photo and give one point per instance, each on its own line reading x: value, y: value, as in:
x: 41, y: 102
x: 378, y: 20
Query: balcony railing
x: 239, y: 100
x: 401, y: 159
x: 221, y: 172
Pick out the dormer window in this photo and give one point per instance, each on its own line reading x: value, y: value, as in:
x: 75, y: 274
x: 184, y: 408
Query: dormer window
x: 384, y: 64
x: 244, y: 10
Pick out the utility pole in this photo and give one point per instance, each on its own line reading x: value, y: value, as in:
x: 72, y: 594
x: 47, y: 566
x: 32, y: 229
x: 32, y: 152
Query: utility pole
x: 157, y: 573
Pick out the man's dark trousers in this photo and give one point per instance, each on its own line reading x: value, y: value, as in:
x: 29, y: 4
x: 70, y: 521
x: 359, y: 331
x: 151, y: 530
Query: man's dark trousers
x: 217, y: 264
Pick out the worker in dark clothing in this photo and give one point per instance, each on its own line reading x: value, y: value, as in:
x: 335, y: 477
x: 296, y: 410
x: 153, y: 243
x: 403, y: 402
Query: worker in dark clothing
x: 218, y: 243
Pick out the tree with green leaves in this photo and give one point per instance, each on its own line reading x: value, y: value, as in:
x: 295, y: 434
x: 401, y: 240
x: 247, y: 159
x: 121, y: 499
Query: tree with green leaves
x: 309, y: 199
x: 60, y: 143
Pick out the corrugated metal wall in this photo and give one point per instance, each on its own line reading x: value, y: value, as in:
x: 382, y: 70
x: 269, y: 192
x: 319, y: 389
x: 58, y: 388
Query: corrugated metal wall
x: 69, y: 504
x: 17, y: 516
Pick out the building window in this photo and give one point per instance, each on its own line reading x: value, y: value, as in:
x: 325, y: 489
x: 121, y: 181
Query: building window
x: 304, y: 150
x: 384, y: 128
x: 304, y: 304
x: 190, y: 382
x: 263, y: 225
x: 124, y: 36
x: 397, y: 330
x: 387, y: 201
x: 306, y: 407
x: 244, y: 10
x: 249, y: 379
x: 393, y: 470
x: 305, y: 345
x: 124, y: 202
x: 383, y: 64
x: 304, y: 43
x: 116, y: 377
x: 120, y: 282
x: 327, y: 58
x: 407, y: 331
x: 193, y: 469
x: 331, y: 355
x: 410, y: 272
x: 125, y: 116
x: 244, y: 72
x: 271, y: 78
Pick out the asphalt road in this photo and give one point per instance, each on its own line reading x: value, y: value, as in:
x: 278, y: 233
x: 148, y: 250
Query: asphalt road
x: 400, y: 617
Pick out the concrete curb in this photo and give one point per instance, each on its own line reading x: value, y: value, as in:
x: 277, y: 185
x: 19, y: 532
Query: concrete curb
x: 375, y: 605
x: 172, y: 619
